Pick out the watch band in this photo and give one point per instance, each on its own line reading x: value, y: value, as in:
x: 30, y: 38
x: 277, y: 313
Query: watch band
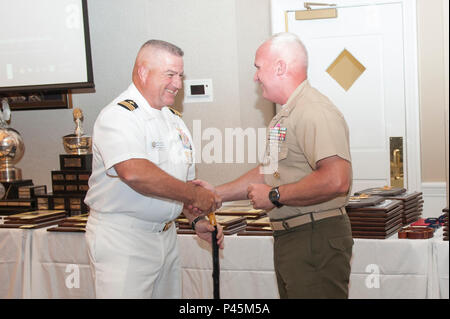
x: 277, y: 197
x: 196, y: 220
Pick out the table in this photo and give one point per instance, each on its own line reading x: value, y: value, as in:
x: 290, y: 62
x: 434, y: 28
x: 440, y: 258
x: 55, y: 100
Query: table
x: 440, y: 264
x: 55, y: 265
x: 15, y: 263
x: 381, y: 269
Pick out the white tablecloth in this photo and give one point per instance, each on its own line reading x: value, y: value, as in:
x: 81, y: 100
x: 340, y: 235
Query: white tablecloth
x: 15, y: 263
x: 440, y: 271
x: 60, y: 266
x: 57, y: 267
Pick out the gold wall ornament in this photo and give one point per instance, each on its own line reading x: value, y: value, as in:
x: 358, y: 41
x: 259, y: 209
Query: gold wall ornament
x: 346, y: 69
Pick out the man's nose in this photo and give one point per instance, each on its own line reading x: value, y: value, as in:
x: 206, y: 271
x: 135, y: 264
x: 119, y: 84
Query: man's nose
x: 178, y: 82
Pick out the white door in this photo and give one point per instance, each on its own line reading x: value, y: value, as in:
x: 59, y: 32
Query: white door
x: 359, y: 61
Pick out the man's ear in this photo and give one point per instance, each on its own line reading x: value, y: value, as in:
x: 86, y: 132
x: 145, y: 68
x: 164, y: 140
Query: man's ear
x: 281, y: 67
x: 142, y: 73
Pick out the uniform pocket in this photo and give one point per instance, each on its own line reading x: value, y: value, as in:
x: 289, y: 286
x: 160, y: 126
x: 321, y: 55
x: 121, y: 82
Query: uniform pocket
x: 283, y: 152
x: 341, y: 243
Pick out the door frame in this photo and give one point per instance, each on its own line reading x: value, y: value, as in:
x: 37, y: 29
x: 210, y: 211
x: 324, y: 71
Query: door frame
x: 412, y: 165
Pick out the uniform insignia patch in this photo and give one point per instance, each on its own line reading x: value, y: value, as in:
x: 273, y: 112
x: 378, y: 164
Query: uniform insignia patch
x: 130, y: 105
x: 175, y: 111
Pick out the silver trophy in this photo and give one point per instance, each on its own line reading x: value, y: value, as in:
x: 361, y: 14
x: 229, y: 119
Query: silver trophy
x: 77, y: 143
x: 12, y: 147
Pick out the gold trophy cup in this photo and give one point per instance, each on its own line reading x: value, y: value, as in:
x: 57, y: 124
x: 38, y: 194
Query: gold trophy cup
x: 77, y: 143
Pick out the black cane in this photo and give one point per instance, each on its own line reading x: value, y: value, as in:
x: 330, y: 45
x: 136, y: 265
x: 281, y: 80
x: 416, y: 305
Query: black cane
x: 215, y: 260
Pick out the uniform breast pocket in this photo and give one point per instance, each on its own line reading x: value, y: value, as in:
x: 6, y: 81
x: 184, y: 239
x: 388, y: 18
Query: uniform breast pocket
x: 157, y: 153
x: 283, y: 151
x: 163, y: 156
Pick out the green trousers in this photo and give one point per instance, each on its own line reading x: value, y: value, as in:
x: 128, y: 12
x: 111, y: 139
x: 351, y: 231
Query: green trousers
x: 313, y: 260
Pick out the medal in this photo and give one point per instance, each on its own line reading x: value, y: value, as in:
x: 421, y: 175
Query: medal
x: 277, y: 133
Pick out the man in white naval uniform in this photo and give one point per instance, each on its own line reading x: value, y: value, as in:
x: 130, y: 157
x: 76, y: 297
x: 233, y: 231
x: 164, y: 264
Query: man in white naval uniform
x: 140, y: 182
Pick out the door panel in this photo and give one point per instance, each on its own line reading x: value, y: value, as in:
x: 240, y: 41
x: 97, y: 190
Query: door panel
x: 374, y: 105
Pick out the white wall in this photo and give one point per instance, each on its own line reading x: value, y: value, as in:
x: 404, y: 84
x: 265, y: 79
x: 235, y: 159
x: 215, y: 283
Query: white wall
x: 219, y: 39
x: 432, y: 20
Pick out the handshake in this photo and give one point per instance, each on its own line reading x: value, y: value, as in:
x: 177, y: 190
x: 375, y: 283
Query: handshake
x: 205, y: 199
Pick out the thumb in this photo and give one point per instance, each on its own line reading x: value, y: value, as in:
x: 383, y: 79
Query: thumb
x: 196, y: 182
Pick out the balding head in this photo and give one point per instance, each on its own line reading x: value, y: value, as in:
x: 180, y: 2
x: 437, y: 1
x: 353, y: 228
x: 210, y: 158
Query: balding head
x: 151, y: 52
x: 288, y: 46
x: 158, y: 72
x: 282, y: 63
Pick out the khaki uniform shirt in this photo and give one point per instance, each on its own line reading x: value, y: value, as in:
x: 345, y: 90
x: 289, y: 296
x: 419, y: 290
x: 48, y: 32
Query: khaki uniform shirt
x: 307, y: 129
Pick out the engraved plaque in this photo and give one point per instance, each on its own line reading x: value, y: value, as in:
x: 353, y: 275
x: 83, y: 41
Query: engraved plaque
x: 72, y: 162
x: 75, y: 162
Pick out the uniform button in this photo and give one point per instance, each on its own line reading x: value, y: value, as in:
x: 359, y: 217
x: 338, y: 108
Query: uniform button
x: 153, y: 144
x: 276, y: 174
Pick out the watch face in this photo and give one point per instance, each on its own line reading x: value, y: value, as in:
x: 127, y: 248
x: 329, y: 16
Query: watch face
x: 274, y: 195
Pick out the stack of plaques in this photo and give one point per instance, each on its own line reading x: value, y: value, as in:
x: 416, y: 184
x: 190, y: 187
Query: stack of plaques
x: 363, y: 200
x: 72, y: 203
x: 31, y: 191
x: 17, y: 205
x: 70, y: 181
x: 12, y: 188
x: 412, y: 202
x: 34, y: 219
x: 382, y: 191
x: 246, y: 211
x: 257, y: 227
x: 230, y: 224
x: 445, y: 211
x: 183, y: 225
x: 11, y: 203
x: 70, y: 185
x: 374, y: 217
x: 412, y: 206
x: 71, y: 224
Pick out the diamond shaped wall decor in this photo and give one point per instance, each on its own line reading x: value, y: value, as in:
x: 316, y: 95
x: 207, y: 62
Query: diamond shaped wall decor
x: 346, y: 69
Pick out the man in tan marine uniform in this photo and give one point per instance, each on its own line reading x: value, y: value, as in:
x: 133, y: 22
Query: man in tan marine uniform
x: 308, y: 184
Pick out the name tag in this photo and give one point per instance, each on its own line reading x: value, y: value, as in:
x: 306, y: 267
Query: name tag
x: 158, y: 145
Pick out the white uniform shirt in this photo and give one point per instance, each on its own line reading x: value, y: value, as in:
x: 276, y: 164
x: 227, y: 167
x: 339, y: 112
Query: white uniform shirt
x: 119, y: 135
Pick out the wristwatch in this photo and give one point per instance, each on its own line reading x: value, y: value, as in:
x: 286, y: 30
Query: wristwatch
x: 274, y: 196
x: 196, y: 220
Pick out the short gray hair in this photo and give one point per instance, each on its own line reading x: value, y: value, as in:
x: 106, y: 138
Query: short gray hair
x: 164, y: 45
x: 280, y: 39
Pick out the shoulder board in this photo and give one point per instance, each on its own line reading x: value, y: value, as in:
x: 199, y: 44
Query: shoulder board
x: 175, y: 111
x: 130, y: 105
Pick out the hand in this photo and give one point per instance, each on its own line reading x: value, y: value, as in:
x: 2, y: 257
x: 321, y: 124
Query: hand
x: 208, y: 186
x: 204, y: 229
x: 204, y: 184
x: 259, y: 196
x: 204, y: 201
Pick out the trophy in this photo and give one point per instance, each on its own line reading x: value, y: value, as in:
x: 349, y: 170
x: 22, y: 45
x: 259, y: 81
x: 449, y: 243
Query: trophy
x: 11, y: 147
x: 70, y: 182
x: 78, y: 147
x: 77, y: 143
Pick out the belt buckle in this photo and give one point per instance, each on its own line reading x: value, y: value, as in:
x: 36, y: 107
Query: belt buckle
x: 167, y: 226
x: 285, y: 225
